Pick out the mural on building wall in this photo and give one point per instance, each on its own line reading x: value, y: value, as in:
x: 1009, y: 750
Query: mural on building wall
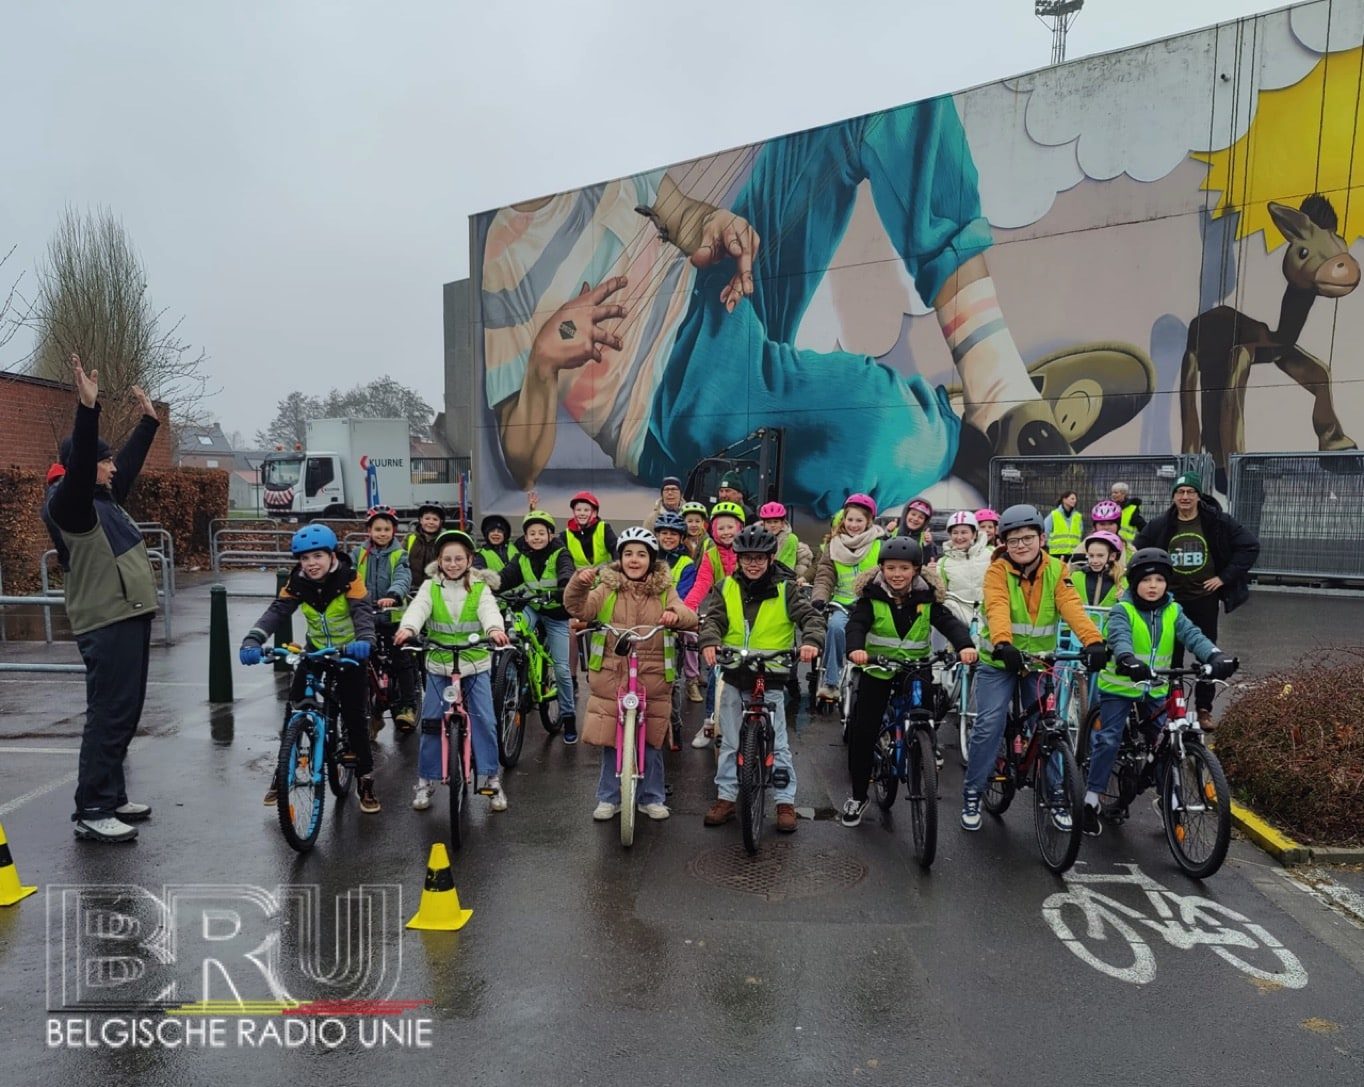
x: 1084, y: 259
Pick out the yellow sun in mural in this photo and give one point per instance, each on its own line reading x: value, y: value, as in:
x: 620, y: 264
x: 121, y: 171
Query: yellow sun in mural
x: 1304, y: 139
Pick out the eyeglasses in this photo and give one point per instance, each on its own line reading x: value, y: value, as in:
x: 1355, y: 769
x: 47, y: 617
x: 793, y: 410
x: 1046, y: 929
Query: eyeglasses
x: 1022, y: 541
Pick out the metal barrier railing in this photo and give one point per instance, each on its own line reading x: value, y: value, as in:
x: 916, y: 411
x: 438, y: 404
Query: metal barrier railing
x: 51, y: 596
x: 224, y: 533
x: 165, y: 544
x: 1042, y: 480
x: 1306, y: 508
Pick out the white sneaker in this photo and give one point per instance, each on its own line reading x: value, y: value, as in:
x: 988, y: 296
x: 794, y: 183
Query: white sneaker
x: 604, y: 811
x: 133, y: 813
x: 851, y: 815
x: 827, y: 693
x: 421, y: 796
x: 107, y: 829
x: 702, y: 739
x: 655, y: 811
x: 497, y: 801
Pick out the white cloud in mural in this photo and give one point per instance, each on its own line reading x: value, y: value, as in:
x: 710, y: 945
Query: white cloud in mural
x: 1140, y: 112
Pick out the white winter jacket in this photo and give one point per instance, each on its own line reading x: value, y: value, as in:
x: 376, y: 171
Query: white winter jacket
x: 963, y: 575
x: 489, y: 614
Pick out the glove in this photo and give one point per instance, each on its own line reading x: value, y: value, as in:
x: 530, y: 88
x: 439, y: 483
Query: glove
x: 1133, y: 667
x: 1223, y: 667
x: 358, y: 651
x: 1096, y: 656
x: 820, y: 606
x: 1009, y: 655
x: 249, y: 653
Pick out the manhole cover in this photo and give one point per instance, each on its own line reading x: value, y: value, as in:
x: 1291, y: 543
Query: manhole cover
x: 781, y: 870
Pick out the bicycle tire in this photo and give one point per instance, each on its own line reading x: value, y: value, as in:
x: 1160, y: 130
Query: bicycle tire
x: 1074, y: 715
x: 999, y: 786
x: 922, y: 795
x: 752, y: 782
x: 340, y: 777
x: 628, y: 783
x: 884, y: 780
x: 1208, y: 777
x: 300, y: 816
x: 507, y: 700
x: 454, y: 771
x: 1059, y: 847
x: 546, y: 698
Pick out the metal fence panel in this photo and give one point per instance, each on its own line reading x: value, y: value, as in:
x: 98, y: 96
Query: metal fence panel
x: 1306, y: 508
x: 1042, y: 480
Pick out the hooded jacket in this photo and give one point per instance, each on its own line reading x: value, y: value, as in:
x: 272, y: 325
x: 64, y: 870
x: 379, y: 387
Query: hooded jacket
x: 1234, y: 548
x: 1119, y: 628
x: 923, y: 589
x: 298, y: 590
x: 826, y: 574
x: 584, y: 533
x: 421, y: 553
x: 511, y: 576
x: 384, y: 577
x: 963, y: 576
x: 454, y: 593
x: 638, y: 603
x: 1069, y: 606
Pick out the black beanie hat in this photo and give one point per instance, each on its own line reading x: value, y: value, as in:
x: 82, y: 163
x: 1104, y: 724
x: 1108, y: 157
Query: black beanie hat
x: 103, y: 451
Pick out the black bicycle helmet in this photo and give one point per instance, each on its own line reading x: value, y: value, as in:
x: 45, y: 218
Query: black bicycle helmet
x: 903, y: 548
x: 667, y: 521
x: 431, y: 507
x: 1020, y: 516
x: 755, y: 539
x: 1149, y: 560
x: 492, y: 521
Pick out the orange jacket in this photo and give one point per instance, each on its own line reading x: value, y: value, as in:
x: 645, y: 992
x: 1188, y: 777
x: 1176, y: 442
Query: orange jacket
x: 1068, y: 602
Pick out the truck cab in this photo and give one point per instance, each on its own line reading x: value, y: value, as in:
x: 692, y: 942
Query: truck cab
x: 301, y: 483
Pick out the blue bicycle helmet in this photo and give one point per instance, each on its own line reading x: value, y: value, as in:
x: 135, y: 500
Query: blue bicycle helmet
x: 312, y: 538
x: 669, y: 520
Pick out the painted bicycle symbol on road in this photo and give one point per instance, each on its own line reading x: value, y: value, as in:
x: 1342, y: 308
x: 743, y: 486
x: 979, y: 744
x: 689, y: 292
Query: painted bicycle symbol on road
x: 1112, y: 936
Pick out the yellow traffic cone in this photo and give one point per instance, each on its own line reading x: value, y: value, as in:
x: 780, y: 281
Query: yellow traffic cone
x: 11, y: 890
x: 440, y: 909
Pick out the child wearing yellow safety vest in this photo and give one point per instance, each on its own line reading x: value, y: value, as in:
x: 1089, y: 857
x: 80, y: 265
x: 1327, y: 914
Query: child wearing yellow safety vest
x: 454, y: 603
x: 756, y: 609
x: 897, y: 609
x: 636, y: 590
x: 1027, y: 594
x: 381, y: 562
x: 1144, y: 629
x: 590, y: 540
x: 852, y: 550
x: 324, y: 586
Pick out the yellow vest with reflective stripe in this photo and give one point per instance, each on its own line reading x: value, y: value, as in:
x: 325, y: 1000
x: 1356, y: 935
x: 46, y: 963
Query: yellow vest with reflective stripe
x: 548, y: 581
x: 575, y: 548
x: 883, y: 640
x: 1064, y: 533
x: 331, y: 627
x: 1031, y: 633
x: 1159, y: 655
x: 597, y: 643
x: 445, y: 633
x: 393, y: 560
x: 844, y: 591
x: 1125, y: 529
x: 773, y: 630
x: 790, y: 548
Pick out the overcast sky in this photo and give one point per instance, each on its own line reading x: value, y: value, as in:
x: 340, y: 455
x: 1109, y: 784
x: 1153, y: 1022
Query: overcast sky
x: 298, y: 176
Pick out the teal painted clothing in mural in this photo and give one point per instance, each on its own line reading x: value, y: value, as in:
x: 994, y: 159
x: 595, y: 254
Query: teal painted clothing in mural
x: 731, y: 372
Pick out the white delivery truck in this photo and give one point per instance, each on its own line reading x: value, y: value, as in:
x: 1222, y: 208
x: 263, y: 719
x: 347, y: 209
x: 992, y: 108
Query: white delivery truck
x: 347, y: 466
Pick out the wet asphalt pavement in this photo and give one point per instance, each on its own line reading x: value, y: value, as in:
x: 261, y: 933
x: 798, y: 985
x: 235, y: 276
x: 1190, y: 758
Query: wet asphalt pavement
x: 681, y: 961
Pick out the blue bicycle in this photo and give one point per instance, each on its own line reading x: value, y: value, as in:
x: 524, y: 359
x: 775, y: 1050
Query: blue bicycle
x: 1075, y: 690
x: 313, y: 744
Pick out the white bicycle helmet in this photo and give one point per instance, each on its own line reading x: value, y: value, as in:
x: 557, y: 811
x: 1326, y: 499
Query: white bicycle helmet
x: 963, y: 517
x: 639, y: 535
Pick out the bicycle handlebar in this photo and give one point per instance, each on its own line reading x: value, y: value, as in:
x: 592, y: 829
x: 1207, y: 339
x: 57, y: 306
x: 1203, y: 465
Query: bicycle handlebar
x: 519, y: 598
x: 330, y: 653
x: 631, y: 633
x: 727, y: 654
x: 895, y: 664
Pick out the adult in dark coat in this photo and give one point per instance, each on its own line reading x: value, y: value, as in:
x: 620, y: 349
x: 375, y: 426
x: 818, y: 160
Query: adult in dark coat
x: 1212, y: 554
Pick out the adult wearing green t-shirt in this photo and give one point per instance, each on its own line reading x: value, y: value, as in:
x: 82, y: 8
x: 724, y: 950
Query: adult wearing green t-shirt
x: 1212, y: 554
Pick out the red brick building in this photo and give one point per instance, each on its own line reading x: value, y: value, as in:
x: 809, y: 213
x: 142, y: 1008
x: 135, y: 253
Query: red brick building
x: 35, y: 415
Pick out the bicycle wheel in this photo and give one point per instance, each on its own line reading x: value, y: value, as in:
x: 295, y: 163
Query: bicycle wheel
x: 923, y: 797
x: 340, y: 777
x: 545, y: 690
x: 752, y: 781
x: 999, y: 786
x: 1054, y: 801
x: 302, y: 795
x: 511, y: 724
x: 629, y: 759
x: 1196, y: 810
x: 1073, y: 717
x: 883, y: 779
x: 454, y: 778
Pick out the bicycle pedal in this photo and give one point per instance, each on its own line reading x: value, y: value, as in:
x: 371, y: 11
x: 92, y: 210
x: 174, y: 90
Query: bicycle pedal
x: 348, y: 758
x: 781, y: 778
x: 487, y: 792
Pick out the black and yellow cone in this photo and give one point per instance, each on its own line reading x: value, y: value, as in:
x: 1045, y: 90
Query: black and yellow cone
x: 440, y: 909
x: 11, y: 890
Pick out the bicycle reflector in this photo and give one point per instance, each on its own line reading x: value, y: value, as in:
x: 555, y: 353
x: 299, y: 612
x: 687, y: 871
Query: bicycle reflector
x: 450, y: 694
x: 630, y: 700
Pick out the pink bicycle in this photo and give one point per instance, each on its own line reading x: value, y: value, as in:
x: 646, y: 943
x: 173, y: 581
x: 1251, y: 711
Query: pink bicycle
x: 630, y: 722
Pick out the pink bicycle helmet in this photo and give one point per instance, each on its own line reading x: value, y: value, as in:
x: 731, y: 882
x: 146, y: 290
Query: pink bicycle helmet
x: 922, y: 505
x: 866, y: 501
x: 1105, y: 510
x: 1104, y: 536
x: 963, y: 517
x: 772, y: 511
x: 986, y: 514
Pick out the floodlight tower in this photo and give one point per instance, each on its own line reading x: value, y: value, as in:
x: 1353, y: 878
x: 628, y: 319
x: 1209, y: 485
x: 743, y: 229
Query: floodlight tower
x: 1058, y: 14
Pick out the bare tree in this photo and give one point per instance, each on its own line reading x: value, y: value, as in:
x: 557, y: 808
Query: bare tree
x: 290, y: 424
x: 383, y: 398
x: 92, y: 301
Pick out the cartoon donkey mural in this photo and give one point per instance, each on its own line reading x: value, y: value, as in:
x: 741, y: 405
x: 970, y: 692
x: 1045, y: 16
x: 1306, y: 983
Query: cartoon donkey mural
x: 1224, y: 343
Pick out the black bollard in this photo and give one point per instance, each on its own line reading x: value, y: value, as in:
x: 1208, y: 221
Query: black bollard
x: 219, y: 647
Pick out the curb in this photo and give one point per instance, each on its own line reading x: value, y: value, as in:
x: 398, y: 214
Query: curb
x: 1274, y: 842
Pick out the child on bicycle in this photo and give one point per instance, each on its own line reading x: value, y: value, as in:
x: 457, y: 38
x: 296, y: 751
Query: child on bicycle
x: 1106, y: 516
x: 1100, y: 580
x: 791, y: 552
x: 853, y: 548
x: 755, y: 609
x: 671, y: 531
x: 590, y: 540
x: 1027, y: 593
x: 698, y: 524
x: 543, y: 565
x: 421, y: 542
x: 454, y: 603
x: 962, y: 565
x: 497, y: 549
x: 636, y: 590
x: 715, y: 562
x: 897, y: 607
x: 987, y: 520
x: 324, y: 585
x: 1144, y: 628
x: 914, y: 524
x: 382, y: 565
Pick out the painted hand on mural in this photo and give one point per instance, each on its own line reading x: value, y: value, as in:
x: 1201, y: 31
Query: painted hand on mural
x: 575, y: 334
x: 725, y: 234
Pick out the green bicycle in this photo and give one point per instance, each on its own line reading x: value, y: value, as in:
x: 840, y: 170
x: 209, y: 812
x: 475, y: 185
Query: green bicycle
x: 523, y: 678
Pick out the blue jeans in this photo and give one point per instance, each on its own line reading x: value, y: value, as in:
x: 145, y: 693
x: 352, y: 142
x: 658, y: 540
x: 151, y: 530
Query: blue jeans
x: 651, y: 790
x: 711, y: 674
x: 478, y: 703
x: 731, y: 372
x: 731, y: 715
x: 556, y: 641
x: 1104, y: 744
x: 994, y: 688
x: 835, y: 640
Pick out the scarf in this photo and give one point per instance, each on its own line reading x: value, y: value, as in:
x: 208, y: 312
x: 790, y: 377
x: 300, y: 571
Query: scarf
x: 850, y: 550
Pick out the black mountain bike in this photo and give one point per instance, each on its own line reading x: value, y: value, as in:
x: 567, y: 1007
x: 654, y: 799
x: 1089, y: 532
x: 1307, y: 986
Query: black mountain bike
x: 757, y: 740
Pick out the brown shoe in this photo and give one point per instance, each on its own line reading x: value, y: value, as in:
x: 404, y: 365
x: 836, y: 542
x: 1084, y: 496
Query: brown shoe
x: 786, y: 818
x: 721, y: 812
x: 1205, y: 721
